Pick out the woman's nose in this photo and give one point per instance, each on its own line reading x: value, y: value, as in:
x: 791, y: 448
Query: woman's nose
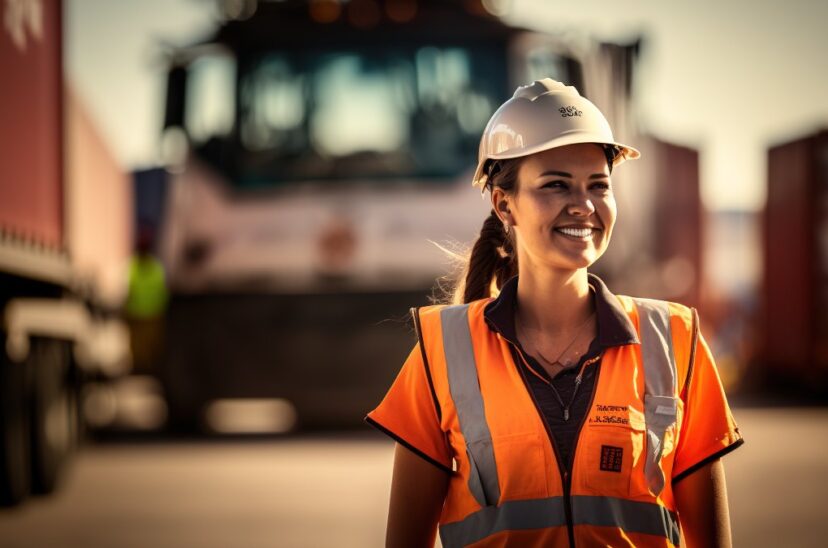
x: 580, y: 204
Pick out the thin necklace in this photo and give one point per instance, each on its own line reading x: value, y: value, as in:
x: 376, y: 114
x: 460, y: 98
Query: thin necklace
x: 557, y: 360
x: 565, y: 407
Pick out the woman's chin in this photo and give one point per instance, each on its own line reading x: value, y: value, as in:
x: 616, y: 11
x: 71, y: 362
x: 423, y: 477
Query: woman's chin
x: 572, y: 264
x: 574, y: 261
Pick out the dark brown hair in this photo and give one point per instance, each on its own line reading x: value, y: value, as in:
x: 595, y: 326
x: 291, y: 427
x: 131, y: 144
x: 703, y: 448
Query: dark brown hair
x: 492, y: 260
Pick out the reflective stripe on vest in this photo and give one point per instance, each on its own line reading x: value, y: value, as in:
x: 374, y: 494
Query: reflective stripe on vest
x: 512, y: 514
x: 630, y: 515
x: 660, y: 383
x: 465, y: 392
x: 660, y: 412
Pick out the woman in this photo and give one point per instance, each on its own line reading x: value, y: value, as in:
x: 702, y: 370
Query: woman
x: 557, y: 413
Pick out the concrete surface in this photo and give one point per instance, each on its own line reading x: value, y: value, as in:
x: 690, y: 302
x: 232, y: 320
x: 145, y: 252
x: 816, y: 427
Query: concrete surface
x: 303, y: 493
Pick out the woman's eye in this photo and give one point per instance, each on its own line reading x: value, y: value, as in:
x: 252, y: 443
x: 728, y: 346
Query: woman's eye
x: 601, y: 186
x: 554, y: 184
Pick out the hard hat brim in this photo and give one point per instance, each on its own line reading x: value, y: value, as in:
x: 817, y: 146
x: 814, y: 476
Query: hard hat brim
x: 626, y: 152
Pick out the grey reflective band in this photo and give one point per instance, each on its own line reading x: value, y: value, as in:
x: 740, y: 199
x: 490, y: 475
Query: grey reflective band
x: 629, y: 515
x: 660, y: 383
x: 511, y: 515
x: 657, y: 347
x: 465, y: 393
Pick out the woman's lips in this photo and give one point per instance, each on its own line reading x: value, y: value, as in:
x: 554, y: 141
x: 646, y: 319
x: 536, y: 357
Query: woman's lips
x: 582, y: 233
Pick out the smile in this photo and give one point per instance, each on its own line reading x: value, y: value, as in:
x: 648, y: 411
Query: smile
x: 578, y: 233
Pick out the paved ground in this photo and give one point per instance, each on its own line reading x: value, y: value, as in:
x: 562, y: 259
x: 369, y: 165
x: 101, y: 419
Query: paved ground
x: 333, y: 492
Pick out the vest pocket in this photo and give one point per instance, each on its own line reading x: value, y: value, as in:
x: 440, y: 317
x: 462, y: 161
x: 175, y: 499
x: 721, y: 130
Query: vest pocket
x: 521, y: 465
x: 613, y: 462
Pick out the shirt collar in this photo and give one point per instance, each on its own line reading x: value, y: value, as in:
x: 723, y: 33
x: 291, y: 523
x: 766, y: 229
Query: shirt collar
x: 614, y: 325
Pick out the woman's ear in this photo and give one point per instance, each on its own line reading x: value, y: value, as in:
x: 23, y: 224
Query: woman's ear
x: 500, y: 204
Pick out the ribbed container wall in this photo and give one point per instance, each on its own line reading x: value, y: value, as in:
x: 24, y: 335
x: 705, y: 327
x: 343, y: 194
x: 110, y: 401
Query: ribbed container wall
x: 795, y: 284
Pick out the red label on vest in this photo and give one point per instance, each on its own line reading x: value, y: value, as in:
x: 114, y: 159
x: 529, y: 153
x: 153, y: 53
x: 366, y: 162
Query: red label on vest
x: 611, y: 458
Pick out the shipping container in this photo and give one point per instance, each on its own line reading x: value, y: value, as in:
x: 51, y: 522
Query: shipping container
x: 656, y: 249
x: 794, y: 328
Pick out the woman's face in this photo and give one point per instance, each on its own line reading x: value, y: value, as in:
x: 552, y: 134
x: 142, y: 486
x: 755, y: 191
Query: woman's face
x: 563, y: 208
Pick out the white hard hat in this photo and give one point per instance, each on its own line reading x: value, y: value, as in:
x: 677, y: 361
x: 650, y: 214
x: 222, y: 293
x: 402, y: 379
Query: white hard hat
x: 543, y: 115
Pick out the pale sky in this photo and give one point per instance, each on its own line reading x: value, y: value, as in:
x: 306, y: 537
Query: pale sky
x: 113, y: 58
x: 728, y: 77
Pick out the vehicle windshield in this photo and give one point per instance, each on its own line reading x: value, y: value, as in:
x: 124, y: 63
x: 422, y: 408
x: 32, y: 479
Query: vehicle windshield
x: 383, y: 114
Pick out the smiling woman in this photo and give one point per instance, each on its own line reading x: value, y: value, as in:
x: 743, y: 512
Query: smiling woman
x: 555, y: 413
x: 565, y: 210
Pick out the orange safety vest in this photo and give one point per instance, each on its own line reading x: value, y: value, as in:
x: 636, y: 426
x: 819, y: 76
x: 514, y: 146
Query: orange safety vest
x: 509, y: 488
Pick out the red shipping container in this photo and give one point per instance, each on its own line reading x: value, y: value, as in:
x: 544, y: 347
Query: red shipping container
x: 795, y: 285
x: 31, y: 128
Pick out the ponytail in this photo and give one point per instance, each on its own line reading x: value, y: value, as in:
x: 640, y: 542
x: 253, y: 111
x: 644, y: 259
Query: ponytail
x: 491, y: 262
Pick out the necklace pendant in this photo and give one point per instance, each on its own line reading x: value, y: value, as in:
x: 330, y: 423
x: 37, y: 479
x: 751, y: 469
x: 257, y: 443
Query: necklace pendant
x: 566, y: 415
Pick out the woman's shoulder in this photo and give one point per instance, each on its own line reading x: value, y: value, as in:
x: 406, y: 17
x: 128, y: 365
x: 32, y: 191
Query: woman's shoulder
x: 433, y: 310
x: 679, y: 312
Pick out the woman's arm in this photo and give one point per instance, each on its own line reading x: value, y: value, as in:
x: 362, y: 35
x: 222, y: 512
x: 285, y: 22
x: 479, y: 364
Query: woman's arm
x: 701, y: 499
x: 418, y: 489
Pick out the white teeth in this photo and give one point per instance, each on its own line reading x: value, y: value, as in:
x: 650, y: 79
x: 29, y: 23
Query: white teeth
x: 577, y: 232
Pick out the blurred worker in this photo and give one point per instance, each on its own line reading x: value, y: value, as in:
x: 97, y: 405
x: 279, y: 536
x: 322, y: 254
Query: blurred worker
x: 557, y: 413
x: 145, y: 305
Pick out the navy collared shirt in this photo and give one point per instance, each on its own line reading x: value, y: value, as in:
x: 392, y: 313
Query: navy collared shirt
x: 614, y: 328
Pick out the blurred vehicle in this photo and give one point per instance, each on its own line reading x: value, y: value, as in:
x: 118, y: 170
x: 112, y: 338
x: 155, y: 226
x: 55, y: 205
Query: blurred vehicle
x: 64, y: 236
x: 794, y: 326
x: 316, y: 150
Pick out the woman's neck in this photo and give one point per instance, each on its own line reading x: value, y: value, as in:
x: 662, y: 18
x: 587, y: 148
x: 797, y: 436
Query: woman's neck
x: 553, y: 301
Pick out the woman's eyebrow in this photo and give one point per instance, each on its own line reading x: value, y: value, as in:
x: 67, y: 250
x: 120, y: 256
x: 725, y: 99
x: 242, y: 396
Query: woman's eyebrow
x: 565, y: 174
x: 558, y: 173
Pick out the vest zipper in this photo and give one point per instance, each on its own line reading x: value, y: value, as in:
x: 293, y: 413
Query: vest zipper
x: 565, y: 473
x: 568, y: 487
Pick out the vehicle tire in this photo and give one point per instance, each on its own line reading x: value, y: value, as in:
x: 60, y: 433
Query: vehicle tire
x: 51, y: 411
x: 15, y: 467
